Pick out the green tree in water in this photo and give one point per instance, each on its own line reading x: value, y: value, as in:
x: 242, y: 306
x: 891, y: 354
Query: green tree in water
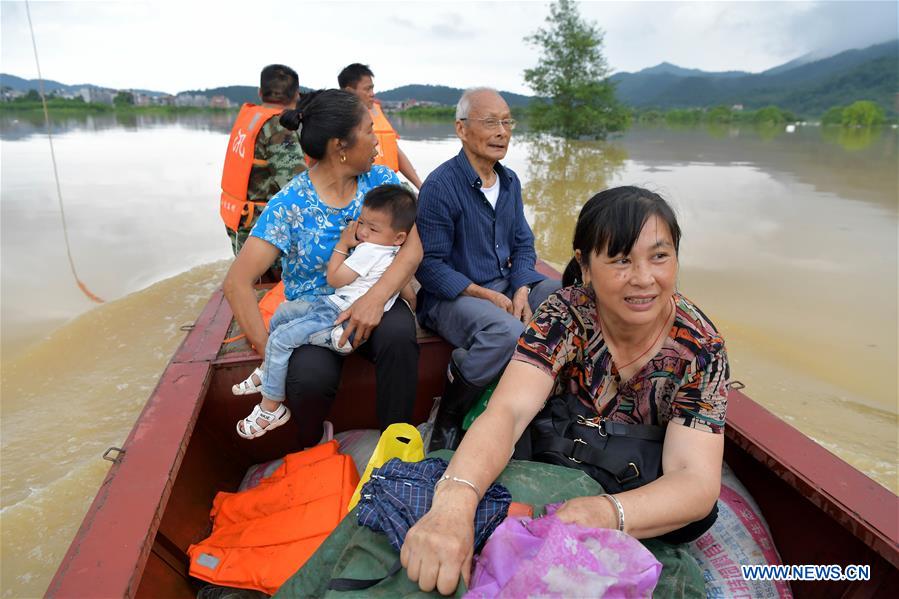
x: 573, y: 74
x: 834, y: 116
x: 719, y: 114
x: 772, y: 115
x: 862, y: 114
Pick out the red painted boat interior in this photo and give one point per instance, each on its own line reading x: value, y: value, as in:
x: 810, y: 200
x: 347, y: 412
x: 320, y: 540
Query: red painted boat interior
x: 183, y: 449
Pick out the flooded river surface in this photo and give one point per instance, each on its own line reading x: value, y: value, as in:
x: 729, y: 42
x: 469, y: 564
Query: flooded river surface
x: 789, y: 245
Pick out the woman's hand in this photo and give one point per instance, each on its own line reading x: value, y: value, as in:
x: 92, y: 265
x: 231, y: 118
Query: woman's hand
x: 590, y: 512
x: 439, y: 548
x: 362, y: 317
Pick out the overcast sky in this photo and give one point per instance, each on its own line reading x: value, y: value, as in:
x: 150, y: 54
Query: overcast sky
x: 174, y: 46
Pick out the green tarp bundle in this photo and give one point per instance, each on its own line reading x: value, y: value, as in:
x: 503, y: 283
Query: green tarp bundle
x: 354, y: 551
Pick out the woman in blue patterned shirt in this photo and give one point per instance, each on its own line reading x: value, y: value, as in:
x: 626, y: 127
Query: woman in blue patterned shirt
x: 301, y: 225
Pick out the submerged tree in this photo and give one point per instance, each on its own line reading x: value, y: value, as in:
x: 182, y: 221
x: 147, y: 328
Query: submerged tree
x: 863, y: 114
x: 573, y: 75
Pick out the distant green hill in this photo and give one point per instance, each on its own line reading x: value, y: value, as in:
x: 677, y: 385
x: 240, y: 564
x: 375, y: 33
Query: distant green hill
x: 238, y: 94
x: 804, y: 86
x: 23, y: 85
x: 808, y: 88
x: 442, y: 94
x: 666, y: 68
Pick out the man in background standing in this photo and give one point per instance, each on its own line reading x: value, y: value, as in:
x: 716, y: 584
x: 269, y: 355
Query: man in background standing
x: 357, y: 79
x: 262, y: 156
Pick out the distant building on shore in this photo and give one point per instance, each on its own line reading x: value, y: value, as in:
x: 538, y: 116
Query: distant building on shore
x: 141, y: 99
x: 412, y: 102
x: 219, y: 102
x: 408, y: 103
x: 7, y: 94
x: 96, y: 95
x: 195, y: 100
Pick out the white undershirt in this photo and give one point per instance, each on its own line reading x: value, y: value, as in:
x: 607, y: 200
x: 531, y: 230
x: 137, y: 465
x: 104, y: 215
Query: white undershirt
x: 492, y: 193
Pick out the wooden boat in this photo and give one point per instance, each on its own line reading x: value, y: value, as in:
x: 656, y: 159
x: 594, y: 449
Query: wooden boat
x: 156, y: 498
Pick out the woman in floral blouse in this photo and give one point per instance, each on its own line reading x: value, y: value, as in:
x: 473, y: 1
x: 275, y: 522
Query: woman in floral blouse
x: 301, y: 225
x: 631, y: 349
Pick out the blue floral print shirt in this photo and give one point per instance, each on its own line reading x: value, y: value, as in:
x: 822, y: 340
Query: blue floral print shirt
x: 306, y: 229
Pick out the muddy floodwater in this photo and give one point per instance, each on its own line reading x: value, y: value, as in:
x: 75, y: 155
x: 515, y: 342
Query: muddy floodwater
x: 789, y: 246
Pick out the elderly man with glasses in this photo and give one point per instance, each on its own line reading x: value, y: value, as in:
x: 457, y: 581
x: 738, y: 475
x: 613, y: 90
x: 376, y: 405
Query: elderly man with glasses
x: 479, y: 284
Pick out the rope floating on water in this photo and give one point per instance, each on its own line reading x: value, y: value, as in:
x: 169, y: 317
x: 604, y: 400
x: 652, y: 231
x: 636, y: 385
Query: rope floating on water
x: 65, y: 232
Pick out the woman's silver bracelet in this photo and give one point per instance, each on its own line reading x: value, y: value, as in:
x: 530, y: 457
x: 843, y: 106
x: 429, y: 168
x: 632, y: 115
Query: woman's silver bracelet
x: 618, y: 508
x: 455, y: 479
x: 347, y: 254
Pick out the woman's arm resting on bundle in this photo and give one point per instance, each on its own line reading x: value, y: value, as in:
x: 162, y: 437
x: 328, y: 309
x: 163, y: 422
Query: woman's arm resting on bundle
x: 366, y: 312
x: 255, y: 257
x: 439, y: 547
x: 686, y: 492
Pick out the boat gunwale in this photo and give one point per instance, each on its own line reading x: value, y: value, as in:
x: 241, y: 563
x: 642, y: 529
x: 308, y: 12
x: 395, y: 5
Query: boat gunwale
x: 857, y: 502
x: 158, y: 440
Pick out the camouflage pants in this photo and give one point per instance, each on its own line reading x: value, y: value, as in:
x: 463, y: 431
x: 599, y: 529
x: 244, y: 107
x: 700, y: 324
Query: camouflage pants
x: 240, y: 237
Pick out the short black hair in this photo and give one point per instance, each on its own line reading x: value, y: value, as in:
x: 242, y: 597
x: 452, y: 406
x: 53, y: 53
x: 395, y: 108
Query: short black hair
x: 611, y: 222
x: 325, y: 114
x: 351, y: 75
x: 278, y: 83
x: 395, y: 200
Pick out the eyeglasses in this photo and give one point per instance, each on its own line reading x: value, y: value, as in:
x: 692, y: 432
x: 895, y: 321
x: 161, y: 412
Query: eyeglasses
x: 492, y: 123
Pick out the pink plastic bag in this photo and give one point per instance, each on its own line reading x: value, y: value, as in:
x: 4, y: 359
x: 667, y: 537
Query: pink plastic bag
x: 549, y: 558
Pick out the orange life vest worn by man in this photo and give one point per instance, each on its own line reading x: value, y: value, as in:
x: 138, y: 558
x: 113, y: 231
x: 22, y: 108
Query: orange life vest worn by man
x: 358, y: 79
x: 262, y: 156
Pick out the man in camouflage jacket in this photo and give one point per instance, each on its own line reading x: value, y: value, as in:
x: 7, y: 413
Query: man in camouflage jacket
x: 275, y: 145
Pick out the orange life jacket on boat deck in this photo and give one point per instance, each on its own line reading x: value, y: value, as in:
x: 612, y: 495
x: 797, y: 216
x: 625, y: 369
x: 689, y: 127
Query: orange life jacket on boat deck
x: 239, y: 161
x: 388, y: 152
x: 261, y: 536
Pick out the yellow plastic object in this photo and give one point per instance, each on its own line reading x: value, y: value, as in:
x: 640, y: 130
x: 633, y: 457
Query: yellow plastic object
x: 401, y: 441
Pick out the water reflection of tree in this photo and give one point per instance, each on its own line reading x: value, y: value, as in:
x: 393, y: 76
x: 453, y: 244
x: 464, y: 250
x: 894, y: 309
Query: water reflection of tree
x: 768, y: 131
x: 719, y: 130
x: 851, y: 138
x: 562, y: 175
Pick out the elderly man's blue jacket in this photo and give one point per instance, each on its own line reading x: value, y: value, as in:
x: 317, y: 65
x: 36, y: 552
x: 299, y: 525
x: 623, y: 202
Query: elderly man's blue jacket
x: 465, y: 239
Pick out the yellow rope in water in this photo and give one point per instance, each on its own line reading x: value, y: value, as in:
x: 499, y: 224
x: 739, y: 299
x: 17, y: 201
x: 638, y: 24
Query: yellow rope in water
x: 90, y: 295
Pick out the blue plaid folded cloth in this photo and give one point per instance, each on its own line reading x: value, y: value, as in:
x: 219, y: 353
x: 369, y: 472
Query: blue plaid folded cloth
x: 400, y: 493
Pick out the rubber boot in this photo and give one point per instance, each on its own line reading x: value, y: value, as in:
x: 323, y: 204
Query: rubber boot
x: 459, y: 396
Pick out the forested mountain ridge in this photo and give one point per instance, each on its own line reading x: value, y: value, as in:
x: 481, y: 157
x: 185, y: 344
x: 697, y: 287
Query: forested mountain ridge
x: 805, y: 88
